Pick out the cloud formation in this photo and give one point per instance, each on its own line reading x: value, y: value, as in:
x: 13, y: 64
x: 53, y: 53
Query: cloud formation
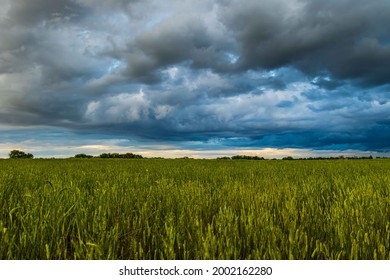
x: 258, y: 74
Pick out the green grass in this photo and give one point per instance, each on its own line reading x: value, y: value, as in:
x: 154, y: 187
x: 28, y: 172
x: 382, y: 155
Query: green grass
x: 194, y: 209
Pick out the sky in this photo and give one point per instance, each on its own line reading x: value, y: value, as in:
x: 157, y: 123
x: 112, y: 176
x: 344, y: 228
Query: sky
x: 197, y: 78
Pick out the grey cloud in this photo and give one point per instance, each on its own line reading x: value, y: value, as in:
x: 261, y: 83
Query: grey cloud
x: 341, y: 40
x: 36, y: 108
x: 177, y: 40
x: 256, y: 73
x: 14, y: 47
x: 29, y: 13
x: 58, y: 52
x: 346, y: 39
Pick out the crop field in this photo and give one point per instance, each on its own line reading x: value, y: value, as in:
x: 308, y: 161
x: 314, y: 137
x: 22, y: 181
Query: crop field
x: 188, y: 209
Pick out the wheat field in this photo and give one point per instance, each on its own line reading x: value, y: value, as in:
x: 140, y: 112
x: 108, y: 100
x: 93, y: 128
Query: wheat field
x: 157, y: 209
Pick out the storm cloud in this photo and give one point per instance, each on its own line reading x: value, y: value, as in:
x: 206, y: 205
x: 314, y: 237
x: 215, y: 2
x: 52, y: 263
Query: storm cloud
x: 228, y: 73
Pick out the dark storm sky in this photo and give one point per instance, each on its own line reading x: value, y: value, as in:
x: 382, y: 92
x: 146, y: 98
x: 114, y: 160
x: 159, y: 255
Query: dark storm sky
x: 192, y: 77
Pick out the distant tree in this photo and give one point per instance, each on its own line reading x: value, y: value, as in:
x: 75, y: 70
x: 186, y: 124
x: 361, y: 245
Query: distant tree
x: 117, y: 155
x: 288, y: 158
x: 16, y: 154
x: 83, y: 156
x: 131, y: 155
x: 247, y: 157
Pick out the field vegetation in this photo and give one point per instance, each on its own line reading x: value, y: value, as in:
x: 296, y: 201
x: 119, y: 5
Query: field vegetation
x: 194, y: 209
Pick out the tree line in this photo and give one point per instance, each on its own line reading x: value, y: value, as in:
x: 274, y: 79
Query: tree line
x: 110, y: 155
x: 291, y: 158
x: 17, y: 154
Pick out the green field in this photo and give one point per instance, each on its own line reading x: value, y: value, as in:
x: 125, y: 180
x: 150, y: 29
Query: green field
x: 194, y: 209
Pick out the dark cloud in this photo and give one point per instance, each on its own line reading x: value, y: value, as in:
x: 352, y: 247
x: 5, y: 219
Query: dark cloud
x: 304, y: 74
x: 326, y: 83
x: 27, y: 13
x: 180, y: 39
x: 324, y: 40
x: 346, y: 39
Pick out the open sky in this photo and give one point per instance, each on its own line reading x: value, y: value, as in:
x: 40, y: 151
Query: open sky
x: 198, y: 78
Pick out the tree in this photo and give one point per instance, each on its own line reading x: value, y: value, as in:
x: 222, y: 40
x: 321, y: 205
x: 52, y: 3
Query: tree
x: 288, y: 158
x: 247, y: 157
x: 83, y: 156
x: 117, y: 155
x: 19, y: 154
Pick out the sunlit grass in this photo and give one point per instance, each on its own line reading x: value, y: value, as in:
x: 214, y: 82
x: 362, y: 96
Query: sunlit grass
x: 194, y: 209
